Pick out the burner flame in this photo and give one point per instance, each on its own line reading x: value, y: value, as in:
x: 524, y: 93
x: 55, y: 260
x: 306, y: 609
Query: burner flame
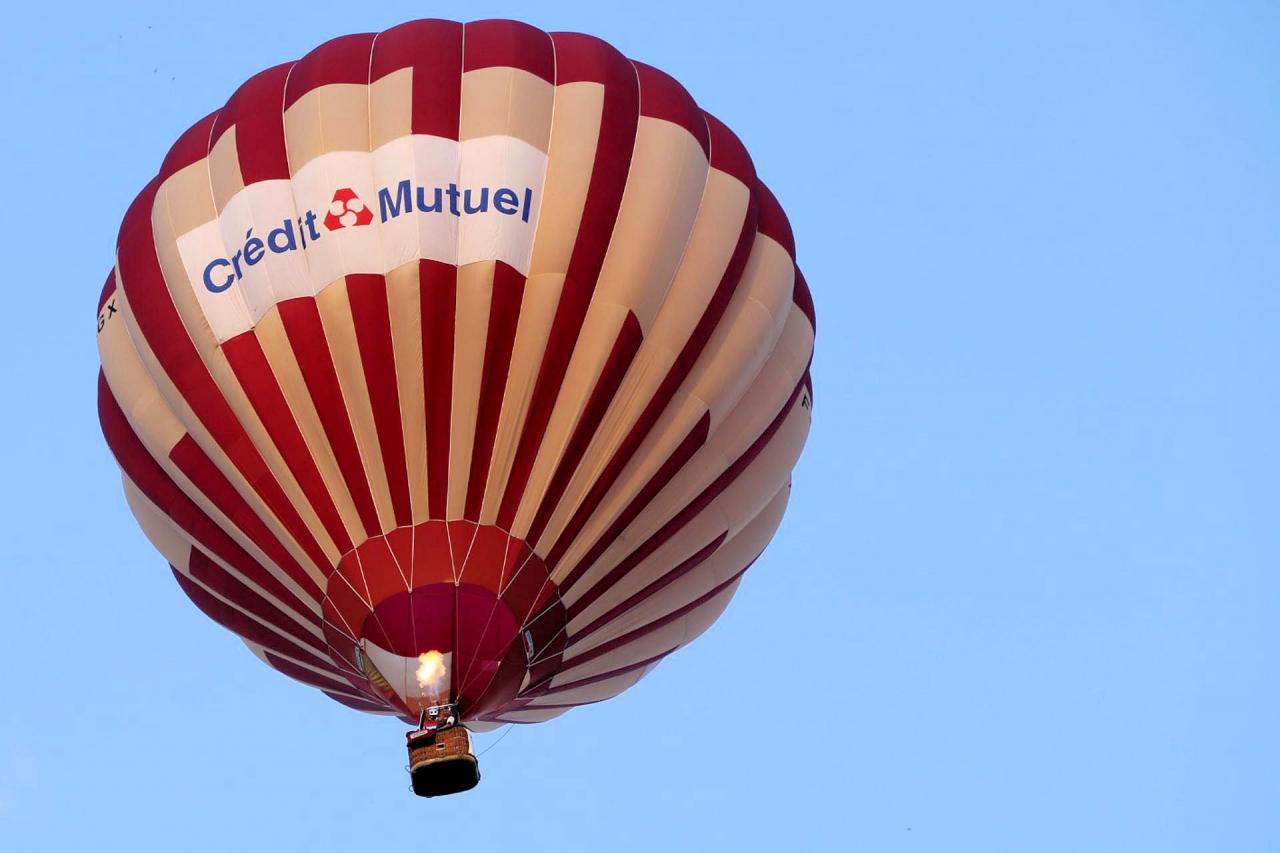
x: 431, y: 670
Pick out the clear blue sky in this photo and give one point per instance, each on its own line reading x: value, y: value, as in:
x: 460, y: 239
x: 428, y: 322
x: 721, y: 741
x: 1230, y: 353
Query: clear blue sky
x: 1026, y: 594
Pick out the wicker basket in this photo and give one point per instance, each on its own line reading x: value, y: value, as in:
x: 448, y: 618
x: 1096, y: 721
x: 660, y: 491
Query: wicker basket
x: 441, y: 761
x: 447, y: 744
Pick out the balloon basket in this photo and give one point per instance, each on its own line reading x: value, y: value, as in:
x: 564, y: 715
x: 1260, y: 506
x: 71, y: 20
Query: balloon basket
x: 441, y: 762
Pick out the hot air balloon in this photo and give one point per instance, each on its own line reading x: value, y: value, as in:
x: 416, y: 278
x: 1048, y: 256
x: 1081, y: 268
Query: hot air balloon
x: 460, y: 371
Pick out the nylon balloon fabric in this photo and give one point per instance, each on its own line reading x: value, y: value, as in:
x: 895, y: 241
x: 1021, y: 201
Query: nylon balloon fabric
x: 467, y: 340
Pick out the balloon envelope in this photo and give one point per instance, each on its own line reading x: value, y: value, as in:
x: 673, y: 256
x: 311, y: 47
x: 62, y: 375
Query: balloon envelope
x: 458, y: 363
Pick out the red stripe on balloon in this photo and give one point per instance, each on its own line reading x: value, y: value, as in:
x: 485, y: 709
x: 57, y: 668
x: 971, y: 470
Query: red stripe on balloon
x: 341, y: 60
x: 249, y: 363
x: 192, y: 147
x: 604, y: 194
x: 158, y: 320
x: 200, y: 470
x: 367, y: 707
x: 662, y: 97
x: 650, y: 627
x: 727, y: 151
x: 433, y: 49
x: 542, y: 688
x: 239, y: 622
x: 305, y: 330
x: 159, y: 488
x: 684, y: 451
x: 666, y: 579
x: 621, y: 355
x: 107, y: 289
x: 226, y: 585
x: 508, y: 44
x: 773, y: 220
x: 628, y: 638
x: 438, y: 288
x: 680, y: 519
x: 804, y: 299
x: 310, y: 677
x: 504, y: 316
x: 371, y: 314
x: 254, y: 112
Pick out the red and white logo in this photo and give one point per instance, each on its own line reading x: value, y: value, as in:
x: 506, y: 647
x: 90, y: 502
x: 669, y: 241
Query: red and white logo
x: 346, y: 210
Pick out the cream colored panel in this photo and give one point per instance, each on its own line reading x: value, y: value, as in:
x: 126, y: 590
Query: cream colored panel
x: 726, y: 369
x: 188, y: 202
x: 172, y: 211
x: 350, y: 692
x: 661, y: 641
x: 404, y: 303
x: 571, y: 153
x: 595, y: 341
x: 391, y: 107
x: 766, y: 473
x: 138, y: 396
x: 744, y: 343
x: 139, y: 392
x: 530, y: 716
x: 575, y: 133
x: 537, y: 312
x: 747, y: 537
x: 284, y: 365
x: 655, y: 219
x: 504, y: 101
x: 596, y: 692
x: 175, y: 544
x: 715, y: 236
x: 733, y: 555
x: 700, y: 530
x: 329, y: 118
x: 339, y: 327
x: 225, y: 178
x: 475, y: 293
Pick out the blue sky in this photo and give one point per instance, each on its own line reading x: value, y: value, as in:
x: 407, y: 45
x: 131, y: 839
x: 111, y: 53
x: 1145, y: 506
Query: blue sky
x: 1025, y: 595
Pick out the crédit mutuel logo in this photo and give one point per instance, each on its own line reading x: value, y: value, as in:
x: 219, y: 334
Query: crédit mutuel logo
x: 348, y: 210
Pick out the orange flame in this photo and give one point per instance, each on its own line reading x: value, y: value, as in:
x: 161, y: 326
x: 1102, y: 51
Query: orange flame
x: 431, y: 669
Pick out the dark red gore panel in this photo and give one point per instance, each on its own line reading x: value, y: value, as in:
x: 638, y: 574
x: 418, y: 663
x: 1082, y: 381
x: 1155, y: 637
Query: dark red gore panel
x: 410, y: 623
x: 461, y: 588
x: 487, y: 630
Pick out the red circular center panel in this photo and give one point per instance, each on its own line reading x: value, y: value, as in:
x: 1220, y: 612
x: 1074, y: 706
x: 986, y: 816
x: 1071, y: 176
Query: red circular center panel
x: 444, y: 611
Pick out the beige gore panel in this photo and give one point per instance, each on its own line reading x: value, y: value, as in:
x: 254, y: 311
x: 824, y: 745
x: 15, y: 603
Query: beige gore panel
x: 475, y: 294
x: 575, y: 134
x: 502, y: 101
x: 733, y: 357
x: 335, y: 312
x: 224, y: 176
x: 537, y: 312
x: 741, y: 547
x: 284, y: 365
x: 330, y: 118
x: 404, y: 305
x: 595, y: 340
x: 173, y: 207
x: 706, y: 258
x: 391, y: 107
x: 655, y: 219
